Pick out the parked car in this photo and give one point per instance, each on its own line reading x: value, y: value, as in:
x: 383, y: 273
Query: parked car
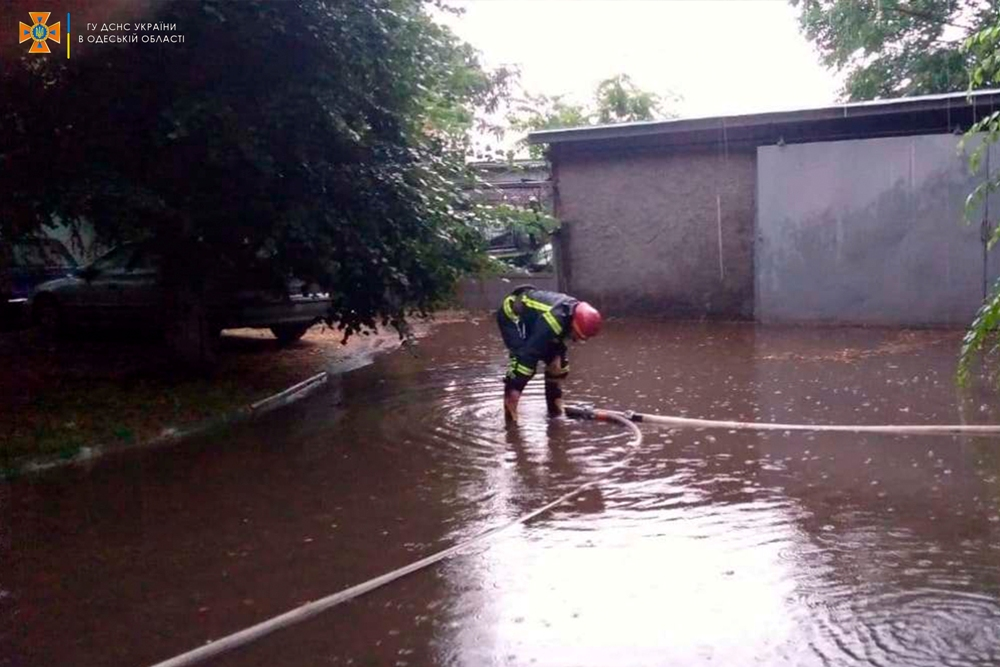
x: 24, y: 266
x: 124, y: 289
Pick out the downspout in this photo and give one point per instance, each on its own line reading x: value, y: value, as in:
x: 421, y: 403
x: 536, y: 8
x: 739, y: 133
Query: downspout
x: 984, y: 230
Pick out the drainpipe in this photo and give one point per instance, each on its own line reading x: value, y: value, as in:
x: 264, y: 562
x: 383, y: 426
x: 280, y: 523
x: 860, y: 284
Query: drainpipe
x: 984, y: 229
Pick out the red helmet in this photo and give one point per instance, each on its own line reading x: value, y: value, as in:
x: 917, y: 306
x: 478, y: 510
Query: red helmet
x: 586, y: 320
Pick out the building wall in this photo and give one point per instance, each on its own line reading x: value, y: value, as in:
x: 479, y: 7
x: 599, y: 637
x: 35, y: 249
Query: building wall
x: 867, y: 232
x: 487, y: 293
x: 642, y: 232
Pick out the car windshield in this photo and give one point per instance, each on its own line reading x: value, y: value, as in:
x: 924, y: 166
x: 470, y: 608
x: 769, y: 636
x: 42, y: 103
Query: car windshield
x: 43, y: 252
x: 130, y: 257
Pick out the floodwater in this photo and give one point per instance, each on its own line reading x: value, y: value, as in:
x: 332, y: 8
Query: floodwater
x: 714, y: 547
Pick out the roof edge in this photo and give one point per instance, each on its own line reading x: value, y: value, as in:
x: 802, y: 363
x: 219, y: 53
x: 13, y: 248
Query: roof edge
x: 833, y: 112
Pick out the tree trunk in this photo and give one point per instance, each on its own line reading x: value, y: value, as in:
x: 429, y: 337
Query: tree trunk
x: 191, y: 337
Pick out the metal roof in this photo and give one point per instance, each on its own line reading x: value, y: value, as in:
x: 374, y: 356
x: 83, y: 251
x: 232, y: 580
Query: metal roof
x: 962, y: 103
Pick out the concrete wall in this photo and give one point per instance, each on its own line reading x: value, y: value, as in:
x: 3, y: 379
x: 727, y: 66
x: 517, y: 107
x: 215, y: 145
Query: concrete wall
x: 486, y: 294
x: 642, y: 232
x: 867, y: 232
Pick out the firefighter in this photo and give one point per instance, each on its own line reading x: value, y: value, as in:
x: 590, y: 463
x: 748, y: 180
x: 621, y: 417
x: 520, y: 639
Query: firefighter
x: 534, y: 325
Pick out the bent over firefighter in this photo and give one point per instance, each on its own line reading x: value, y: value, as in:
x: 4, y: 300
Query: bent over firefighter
x: 534, y: 325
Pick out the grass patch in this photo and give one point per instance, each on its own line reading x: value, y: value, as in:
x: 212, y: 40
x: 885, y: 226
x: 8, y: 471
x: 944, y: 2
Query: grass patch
x: 62, y: 420
x: 124, y: 392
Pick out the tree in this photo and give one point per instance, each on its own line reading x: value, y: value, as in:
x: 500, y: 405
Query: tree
x: 542, y: 112
x: 311, y: 138
x: 983, y: 49
x: 621, y: 101
x: 616, y: 100
x: 895, y: 48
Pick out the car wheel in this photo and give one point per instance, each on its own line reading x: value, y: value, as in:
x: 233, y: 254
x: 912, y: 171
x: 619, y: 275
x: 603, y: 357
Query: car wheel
x: 289, y: 333
x: 48, y: 316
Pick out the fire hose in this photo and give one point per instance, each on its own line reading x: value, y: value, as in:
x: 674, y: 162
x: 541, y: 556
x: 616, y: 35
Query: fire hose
x: 629, y: 420
x: 310, y: 609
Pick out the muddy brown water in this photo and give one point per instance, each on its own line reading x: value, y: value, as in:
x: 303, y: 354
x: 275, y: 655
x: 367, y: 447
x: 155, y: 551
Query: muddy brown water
x: 715, y: 547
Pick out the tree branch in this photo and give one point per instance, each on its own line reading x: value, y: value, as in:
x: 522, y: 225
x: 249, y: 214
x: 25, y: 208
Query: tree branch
x: 930, y: 18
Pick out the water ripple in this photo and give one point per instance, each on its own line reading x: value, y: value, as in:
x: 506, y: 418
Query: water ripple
x: 771, y: 549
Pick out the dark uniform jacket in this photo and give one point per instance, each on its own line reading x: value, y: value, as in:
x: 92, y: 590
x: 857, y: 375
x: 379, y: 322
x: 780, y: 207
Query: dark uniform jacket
x: 534, y: 324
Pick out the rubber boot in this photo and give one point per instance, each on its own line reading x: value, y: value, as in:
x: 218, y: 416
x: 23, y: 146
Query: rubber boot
x: 553, y: 397
x: 511, y: 397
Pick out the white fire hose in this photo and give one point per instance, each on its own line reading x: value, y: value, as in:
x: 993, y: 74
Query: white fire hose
x: 627, y: 419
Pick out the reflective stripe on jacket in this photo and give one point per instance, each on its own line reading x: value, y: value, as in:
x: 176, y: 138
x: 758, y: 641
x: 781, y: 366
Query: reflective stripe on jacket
x: 531, y: 322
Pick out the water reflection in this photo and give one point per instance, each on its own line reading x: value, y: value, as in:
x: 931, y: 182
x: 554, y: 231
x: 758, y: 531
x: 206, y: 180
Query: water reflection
x: 779, y: 549
x: 713, y: 548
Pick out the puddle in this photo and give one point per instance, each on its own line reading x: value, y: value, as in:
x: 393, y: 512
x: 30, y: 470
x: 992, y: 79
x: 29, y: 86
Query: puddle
x: 714, y: 548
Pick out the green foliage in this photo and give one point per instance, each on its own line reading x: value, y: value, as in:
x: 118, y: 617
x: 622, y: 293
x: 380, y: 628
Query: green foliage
x: 463, y: 90
x: 326, y: 138
x: 124, y: 433
x: 621, y: 101
x: 982, y: 337
x: 543, y: 112
x: 985, y: 61
x: 616, y: 100
x: 895, y: 48
x: 525, y: 221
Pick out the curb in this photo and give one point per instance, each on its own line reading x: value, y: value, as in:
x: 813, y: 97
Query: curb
x: 288, y: 396
x: 173, y: 435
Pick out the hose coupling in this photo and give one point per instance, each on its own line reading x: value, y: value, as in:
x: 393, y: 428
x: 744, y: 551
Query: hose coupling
x: 584, y: 411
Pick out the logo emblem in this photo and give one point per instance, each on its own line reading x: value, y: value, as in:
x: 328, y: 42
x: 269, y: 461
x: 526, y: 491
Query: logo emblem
x: 39, y: 32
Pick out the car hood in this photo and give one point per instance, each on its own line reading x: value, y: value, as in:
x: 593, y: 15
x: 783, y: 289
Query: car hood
x: 73, y: 282
x: 57, y: 285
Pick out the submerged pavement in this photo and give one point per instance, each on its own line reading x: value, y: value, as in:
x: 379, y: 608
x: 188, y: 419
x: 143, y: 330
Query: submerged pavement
x: 715, y: 547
